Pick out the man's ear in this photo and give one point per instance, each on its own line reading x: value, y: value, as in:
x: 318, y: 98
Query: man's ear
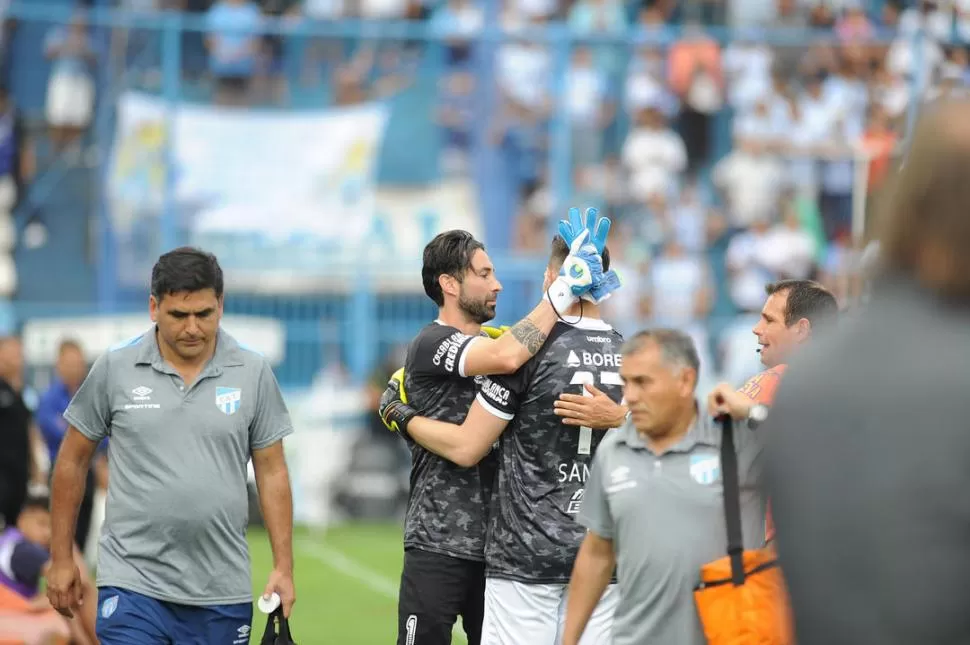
x: 804, y: 329
x: 688, y: 381
x: 548, y: 278
x: 448, y: 284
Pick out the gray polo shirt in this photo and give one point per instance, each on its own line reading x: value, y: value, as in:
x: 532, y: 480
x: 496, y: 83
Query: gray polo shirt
x: 177, y: 509
x: 665, y: 517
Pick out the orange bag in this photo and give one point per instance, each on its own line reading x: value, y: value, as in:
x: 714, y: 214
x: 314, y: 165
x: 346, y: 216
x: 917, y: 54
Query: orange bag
x: 741, y: 598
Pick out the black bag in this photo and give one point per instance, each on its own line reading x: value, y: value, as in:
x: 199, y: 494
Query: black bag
x: 277, y: 630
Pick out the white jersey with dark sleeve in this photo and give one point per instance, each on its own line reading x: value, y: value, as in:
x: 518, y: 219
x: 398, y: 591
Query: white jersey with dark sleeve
x: 447, y: 504
x: 542, y: 463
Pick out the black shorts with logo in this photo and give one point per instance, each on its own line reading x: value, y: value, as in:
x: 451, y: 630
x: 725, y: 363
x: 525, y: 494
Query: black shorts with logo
x: 435, y: 590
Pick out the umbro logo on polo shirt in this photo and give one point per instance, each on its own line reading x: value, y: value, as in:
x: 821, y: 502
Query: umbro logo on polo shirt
x: 620, y: 480
x: 141, y: 393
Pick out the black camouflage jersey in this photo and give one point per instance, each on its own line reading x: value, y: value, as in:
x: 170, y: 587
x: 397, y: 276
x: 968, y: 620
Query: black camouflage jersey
x: 447, y: 504
x: 543, y: 464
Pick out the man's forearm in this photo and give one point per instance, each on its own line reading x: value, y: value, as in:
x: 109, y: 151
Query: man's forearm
x: 463, y: 445
x: 276, y: 503
x: 442, y: 438
x: 591, y: 575
x: 525, y: 337
x: 67, y: 490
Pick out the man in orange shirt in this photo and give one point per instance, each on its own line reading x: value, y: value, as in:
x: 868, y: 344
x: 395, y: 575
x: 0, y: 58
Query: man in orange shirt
x: 794, y: 310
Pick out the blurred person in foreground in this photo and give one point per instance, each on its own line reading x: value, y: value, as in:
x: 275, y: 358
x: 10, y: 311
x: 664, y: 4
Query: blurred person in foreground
x: 186, y: 407
x: 867, y: 442
x: 69, y: 372
x: 24, y: 561
x: 654, y: 503
x: 532, y: 534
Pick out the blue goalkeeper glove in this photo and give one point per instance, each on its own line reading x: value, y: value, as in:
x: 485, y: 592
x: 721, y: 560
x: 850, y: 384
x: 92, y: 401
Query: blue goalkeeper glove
x: 606, y: 282
x: 598, y: 230
x: 580, y: 270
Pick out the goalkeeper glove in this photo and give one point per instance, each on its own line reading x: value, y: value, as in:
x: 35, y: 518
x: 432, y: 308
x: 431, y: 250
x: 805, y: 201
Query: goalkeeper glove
x: 605, y: 283
x: 495, y: 332
x: 598, y: 231
x: 577, y: 275
x: 393, y: 408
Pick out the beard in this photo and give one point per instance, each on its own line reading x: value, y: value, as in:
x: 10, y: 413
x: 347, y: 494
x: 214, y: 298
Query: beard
x: 477, y: 310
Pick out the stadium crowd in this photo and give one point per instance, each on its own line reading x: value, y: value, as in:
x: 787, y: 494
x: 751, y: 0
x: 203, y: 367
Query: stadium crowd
x: 722, y: 147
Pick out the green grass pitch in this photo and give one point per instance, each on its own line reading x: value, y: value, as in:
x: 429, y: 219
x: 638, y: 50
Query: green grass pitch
x: 346, y: 584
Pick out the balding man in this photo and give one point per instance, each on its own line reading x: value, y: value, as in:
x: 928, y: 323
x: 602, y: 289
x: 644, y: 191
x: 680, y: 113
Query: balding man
x: 869, y: 448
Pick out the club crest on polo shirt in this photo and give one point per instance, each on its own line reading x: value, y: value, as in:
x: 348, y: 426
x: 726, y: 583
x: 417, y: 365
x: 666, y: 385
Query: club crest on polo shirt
x: 228, y: 399
x: 109, y: 606
x: 705, y: 468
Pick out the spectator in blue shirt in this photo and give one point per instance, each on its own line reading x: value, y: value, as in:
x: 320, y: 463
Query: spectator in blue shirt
x: 69, y: 373
x: 233, y: 42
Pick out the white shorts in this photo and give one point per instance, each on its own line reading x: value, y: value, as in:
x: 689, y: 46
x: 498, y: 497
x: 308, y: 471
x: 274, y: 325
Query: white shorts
x: 70, y: 100
x: 517, y: 613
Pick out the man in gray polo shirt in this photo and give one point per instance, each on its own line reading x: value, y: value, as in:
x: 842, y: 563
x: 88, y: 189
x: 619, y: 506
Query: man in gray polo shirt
x: 654, y: 501
x: 185, y: 407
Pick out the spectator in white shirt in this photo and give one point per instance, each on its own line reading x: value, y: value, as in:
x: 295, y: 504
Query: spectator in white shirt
x: 766, y: 122
x: 71, y: 88
x: 679, y: 292
x: 748, y: 262
x: 891, y: 91
x: 747, y: 68
x: 838, y: 173
x: 654, y: 155
x: 750, y: 180
x: 789, y: 251
x: 524, y: 70
x: 927, y: 17
x: 646, y: 86
x: 813, y: 128
x: 587, y: 105
x: 915, y: 58
x: 679, y: 287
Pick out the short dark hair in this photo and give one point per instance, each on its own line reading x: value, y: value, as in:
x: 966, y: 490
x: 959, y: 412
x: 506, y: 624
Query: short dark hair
x: 186, y: 269
x: 449, y: 253
x: 806, y: 299
x: 560, y: 250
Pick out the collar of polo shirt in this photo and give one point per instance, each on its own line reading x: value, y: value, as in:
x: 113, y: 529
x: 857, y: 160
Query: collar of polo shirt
x: 702, y: 432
